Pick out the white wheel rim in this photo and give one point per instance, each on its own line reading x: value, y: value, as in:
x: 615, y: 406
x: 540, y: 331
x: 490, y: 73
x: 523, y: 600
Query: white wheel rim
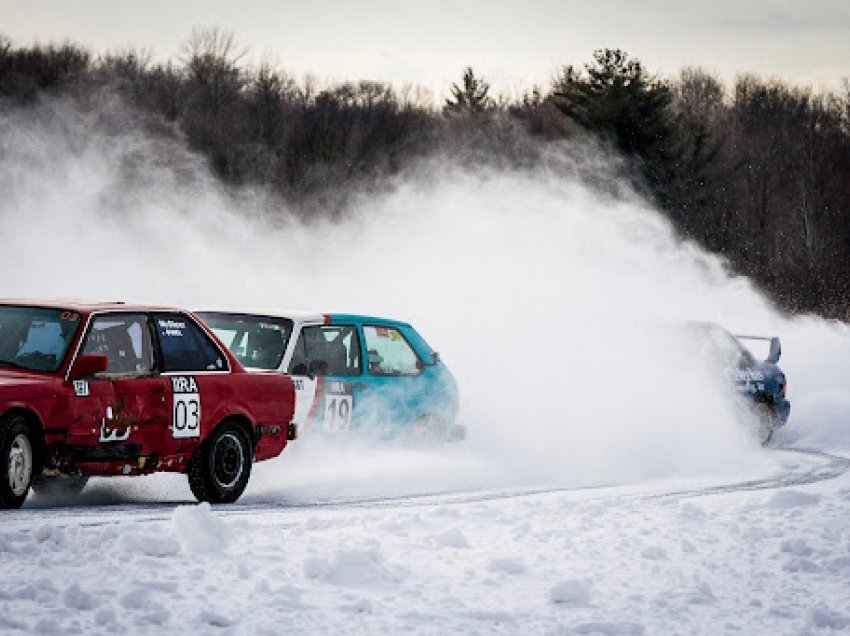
x: 20, y: 465
x: 232, y: 462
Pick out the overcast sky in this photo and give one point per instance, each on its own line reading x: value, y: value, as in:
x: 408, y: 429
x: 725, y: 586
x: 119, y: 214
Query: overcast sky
x: 513, y: 44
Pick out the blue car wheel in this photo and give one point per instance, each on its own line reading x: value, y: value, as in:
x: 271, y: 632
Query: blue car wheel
x: 428, y: 430
x: 765, y: 421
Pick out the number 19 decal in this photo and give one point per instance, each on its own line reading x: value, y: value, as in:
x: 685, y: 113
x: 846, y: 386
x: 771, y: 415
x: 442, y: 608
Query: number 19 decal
x: 186, y: 420
x: 337, y: 413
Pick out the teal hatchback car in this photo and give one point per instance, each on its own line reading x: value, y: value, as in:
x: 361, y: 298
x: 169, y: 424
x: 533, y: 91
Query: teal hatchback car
x: 353, y: 374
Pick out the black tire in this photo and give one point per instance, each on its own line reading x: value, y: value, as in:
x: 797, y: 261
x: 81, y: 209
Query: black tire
x: 765, y: 422
x: 59, y: 486
x: 17, y: 457
x: 220, y: 468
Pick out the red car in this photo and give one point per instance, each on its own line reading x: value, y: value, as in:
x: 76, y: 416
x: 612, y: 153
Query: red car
x: 114, y: 389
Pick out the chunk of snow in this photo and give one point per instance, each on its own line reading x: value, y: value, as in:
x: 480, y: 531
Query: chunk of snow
x: 149, y: 544
x: 44, y: 532
x: 361, y: 606
x: 452, y: 538
x: 801, y: 565
x: 78, y: 599
x: 786, y: 499
x: 199, y: 530
x: 352, y: 568
x: 797, y: 547
x: 840, y: 564
x: 214, y: 620
x: 571, y: 591
x: 653, y: 552
x: 507, y: 565
x: 609, y: 629
x: 824, y: 617
x: 702, y: 595
x: 315, y: 567
x: 50, y: 533
x: 243, y: 571
x: 492, y: 617
x: 104, y: 616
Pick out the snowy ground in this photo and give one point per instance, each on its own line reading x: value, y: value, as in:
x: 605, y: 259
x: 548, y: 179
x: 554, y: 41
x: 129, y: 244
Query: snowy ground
x: 764, y: 553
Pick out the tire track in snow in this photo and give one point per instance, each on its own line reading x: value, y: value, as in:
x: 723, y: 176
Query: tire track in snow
x: 824, y: 468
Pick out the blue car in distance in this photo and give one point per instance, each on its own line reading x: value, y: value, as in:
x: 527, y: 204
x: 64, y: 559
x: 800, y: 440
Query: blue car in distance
x: 761, y: 383
x: 352, y: 373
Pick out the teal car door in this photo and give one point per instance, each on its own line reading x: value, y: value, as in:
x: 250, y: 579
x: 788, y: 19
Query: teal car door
x: 332, y: 355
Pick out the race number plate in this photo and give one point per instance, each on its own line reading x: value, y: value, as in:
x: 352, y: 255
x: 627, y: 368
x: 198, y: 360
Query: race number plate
x: 339, y: 406
x: 186, y: 420
x: 109, y: 431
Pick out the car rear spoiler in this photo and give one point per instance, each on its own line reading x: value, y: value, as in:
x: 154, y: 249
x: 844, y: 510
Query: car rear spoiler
x: 775, y: 346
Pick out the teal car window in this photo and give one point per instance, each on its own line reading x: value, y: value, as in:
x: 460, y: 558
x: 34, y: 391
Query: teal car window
x: 389, y: 353
x: 326, y: 350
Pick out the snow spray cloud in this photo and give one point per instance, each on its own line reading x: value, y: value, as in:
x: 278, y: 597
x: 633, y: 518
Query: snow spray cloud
x: 543, y: 297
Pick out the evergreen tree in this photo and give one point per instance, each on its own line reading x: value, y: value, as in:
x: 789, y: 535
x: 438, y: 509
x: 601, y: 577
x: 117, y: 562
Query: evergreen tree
x: 470, y: 98
x: 617, y: 99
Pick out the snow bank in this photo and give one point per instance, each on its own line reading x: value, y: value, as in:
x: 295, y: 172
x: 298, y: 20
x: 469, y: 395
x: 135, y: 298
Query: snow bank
x: 785, y: 499
x: 572, y: 592
x: 149, y: 544
x: 352, y: 568
x: 200, y: 531
x: 621, y: 560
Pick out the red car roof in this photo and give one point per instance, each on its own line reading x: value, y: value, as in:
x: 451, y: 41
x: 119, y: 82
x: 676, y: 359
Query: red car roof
x: 84, y: 306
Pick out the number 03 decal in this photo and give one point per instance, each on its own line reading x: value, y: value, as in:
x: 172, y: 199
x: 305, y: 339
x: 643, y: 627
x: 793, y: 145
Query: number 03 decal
x: 186, y: 421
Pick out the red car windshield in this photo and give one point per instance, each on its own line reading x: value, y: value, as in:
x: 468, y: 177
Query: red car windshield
x: 36, y: 338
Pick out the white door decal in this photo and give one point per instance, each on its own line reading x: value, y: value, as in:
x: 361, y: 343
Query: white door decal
x: 186, y: 422
x: 339, y: 405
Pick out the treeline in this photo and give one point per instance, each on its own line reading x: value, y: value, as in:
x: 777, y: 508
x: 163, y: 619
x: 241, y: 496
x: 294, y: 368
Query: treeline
x: 759, y: 172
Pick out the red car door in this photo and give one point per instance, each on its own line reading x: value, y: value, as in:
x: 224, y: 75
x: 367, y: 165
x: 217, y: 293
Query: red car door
x: 197, y: 373
x: 126, y: 404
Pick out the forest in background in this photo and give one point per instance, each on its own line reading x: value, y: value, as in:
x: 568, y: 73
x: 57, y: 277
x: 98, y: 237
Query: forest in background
x: 758, y: 172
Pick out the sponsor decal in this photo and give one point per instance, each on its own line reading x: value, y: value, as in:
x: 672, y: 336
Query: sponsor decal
x: 749, y: 381
x: 81, y: 388
x: 749, y: 375
x: 170, y: 327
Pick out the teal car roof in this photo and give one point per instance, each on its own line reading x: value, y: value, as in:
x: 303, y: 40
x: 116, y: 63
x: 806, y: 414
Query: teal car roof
x: 369, y: 320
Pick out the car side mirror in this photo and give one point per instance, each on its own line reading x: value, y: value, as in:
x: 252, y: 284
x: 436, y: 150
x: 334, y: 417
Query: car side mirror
x: 775, y: 351
x: 435, y: 358
x: 299, y: 369
x: 89, y: 364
